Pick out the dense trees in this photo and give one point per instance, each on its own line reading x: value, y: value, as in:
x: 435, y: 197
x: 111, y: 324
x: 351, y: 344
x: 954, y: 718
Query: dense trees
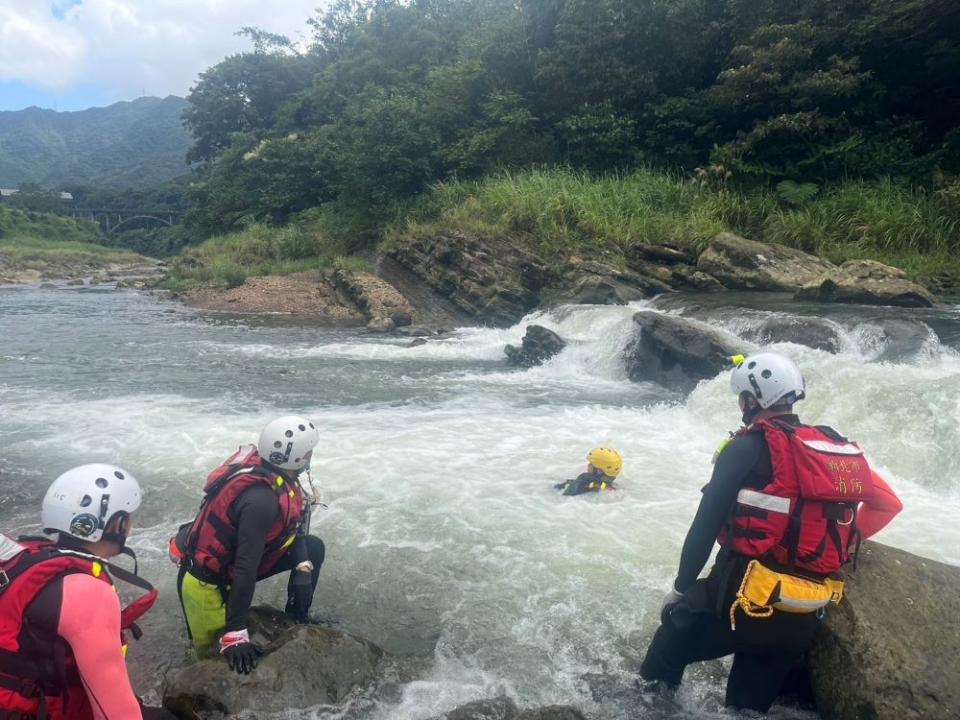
x: 391, y: 96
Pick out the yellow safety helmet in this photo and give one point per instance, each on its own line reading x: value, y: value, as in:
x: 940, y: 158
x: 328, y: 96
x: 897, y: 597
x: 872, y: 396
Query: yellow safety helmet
x: 606, y: 460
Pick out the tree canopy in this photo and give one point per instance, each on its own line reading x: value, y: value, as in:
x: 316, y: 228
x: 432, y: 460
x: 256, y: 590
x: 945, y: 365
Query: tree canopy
x: 393, y: 95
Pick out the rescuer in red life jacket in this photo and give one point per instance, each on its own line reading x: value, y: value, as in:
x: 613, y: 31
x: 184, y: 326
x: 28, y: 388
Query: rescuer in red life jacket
x: 788, y: 504
x: 252, y: 524
x: 62, y: 632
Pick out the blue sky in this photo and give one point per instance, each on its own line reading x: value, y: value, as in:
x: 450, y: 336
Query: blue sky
x: 75, y: 54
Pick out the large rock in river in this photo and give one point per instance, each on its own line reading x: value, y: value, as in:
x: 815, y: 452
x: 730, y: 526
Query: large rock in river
x: 539, y: 345
x: 302, y: 666
x: 744, y: 264
x: 503, y: 708
x: 674, y: 351
x: 867, y: 282
x: 485, y: 277
x: 891, y: 650
x: 813, y: 332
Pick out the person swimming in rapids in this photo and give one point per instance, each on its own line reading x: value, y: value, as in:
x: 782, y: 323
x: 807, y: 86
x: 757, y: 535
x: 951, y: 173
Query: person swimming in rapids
x: 603, y: 468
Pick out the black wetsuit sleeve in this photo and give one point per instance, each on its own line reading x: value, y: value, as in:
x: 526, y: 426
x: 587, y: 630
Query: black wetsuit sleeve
x: 733, y: 466
x: 255, y: 511
x: 580, y: 485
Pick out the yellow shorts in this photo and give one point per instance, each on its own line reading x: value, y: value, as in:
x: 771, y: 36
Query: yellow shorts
x: 205, y: 612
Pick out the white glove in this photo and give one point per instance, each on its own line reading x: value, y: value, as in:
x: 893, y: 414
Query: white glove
x: 672, y: 598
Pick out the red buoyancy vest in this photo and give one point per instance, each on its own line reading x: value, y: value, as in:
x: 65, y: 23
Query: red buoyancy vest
x: 805, y: 518
x: 48, y: 674
x: 211, y: 542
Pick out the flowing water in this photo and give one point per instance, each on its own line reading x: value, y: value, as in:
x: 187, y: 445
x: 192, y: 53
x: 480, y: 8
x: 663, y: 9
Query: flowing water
x: 445, y: 537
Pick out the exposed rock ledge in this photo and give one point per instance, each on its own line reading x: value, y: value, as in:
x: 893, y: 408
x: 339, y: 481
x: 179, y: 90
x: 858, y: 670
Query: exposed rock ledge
x: 891, y: 650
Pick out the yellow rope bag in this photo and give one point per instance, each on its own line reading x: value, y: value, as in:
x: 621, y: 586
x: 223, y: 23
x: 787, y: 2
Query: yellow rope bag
x: 764, y: 590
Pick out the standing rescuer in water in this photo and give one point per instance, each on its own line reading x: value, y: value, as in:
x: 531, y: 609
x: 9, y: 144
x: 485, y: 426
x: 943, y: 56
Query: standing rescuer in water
x: 788, y: 504
x: 252, y: 524
x: 62, y: 631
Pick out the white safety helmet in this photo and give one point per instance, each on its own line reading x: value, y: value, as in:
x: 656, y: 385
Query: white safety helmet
x: 770, y: 378
x: 286, y: 442
x: 82, y: 501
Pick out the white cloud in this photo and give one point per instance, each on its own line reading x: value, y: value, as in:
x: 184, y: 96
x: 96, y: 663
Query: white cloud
x: 156, y: 47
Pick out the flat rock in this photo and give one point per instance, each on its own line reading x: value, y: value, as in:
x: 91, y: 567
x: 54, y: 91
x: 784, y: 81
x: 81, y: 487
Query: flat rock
x: 889, y: 651
x: 675, y: 351
x: 867, y: 282
x: 485, y: 277
x: 377, y: 299
x: 539, y: 345
x: 742, y: 264
x: 813, y: 332
x: 302, y: 666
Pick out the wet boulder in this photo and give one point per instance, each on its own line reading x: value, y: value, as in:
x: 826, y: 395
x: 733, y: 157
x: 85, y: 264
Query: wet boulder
x: 813, y: 332
x: 901, y: 339
x: 867, y: 282
x: 675, y: 351
x: 302, y: 666
x: 503, y: 708
x: 744, y: 264
x: 539, y: 345
x: 890, y: 649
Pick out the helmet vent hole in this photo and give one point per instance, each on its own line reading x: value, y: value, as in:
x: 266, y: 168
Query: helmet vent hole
x: 751, y: 365
x: 278, y: 444
x: 766, y: 374
x: 312, y: 427
x: 102, y: 483
x: 289, y: 433
x: 297, y: 460
x: 117, y: 474
x: 85, y: 502
x: 302, y: 428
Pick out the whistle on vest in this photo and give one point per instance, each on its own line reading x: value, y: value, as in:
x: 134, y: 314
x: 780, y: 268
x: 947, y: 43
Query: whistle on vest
x: 721, y: 447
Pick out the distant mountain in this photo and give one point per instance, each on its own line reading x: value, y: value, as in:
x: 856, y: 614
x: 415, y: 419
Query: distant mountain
x: 128, y: 145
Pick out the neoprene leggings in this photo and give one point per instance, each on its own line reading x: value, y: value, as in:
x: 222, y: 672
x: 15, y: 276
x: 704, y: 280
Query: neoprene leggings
x: 764, y: 651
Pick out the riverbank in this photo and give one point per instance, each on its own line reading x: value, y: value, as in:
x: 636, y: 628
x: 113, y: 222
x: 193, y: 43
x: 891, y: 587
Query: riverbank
x: 562, y: 230
x: 43, y: 247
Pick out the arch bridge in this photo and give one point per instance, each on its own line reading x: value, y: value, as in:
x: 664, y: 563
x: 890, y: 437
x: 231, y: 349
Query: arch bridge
x: 113, y: 220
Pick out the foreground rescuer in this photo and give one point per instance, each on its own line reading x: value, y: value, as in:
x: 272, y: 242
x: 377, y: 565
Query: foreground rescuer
x: 789, y: 504
x: 62, y: 632
x: 252, y: 524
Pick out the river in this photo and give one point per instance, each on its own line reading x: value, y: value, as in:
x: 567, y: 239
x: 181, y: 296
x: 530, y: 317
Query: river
x: 445, y: 537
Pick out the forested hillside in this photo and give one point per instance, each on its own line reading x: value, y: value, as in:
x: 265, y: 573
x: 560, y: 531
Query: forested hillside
x: 391, y: 97
x: 127, y: 145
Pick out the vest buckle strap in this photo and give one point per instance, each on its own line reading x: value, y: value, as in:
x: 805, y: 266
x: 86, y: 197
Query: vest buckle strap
x: 4, y: 579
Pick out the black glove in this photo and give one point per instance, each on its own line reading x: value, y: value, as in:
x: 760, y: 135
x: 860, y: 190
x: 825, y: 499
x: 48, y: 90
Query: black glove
x: 243, y: 657
x: 241, y: 654
x: 300, y: 596
x: 561, y: 486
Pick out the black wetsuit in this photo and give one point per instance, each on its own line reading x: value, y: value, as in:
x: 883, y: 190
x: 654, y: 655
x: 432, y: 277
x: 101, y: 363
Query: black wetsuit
x: 587, y: 482
x: 698, y: 628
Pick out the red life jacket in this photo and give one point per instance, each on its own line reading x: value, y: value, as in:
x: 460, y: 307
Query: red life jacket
x: 805, y: 518
x: 42, y: 676
x: 208, y: 545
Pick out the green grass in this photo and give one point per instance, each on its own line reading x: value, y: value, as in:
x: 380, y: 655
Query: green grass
x: 21, y: 226
x: 228, y: 260
x: 31, y: 239
x: 560, y: 212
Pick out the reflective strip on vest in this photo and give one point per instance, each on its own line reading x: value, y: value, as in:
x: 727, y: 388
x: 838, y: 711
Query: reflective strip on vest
x: 833, y: 448
x: 774, y: 503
